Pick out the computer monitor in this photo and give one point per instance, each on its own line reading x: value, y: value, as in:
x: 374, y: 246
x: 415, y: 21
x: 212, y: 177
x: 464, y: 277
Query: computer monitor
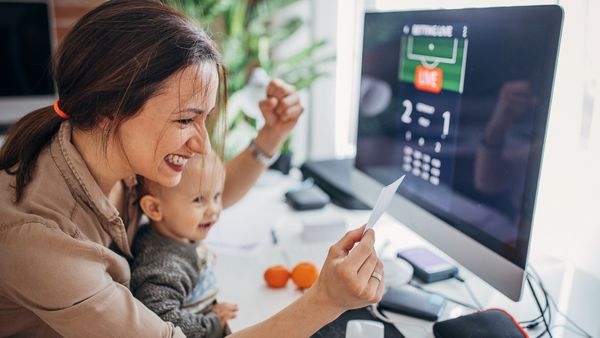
x: 25, y: 53
x: 458, y: 101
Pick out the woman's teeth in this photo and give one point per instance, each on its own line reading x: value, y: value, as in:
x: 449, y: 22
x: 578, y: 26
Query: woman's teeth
x: 176, y: 159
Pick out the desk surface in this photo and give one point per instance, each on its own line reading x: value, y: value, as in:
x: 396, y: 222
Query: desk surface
x: 244, y: 243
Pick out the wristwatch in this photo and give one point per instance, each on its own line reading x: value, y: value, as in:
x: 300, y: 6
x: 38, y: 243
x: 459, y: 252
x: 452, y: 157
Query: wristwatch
x: 261, y: 156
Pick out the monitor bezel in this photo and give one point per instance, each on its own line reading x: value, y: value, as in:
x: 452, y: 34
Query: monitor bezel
x: 503, y: 274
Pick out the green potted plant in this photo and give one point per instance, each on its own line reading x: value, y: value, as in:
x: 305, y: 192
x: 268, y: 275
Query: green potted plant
x: 247, y: 35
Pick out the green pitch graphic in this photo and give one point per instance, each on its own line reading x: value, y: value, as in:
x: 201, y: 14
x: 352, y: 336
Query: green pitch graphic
x: 447, y: 54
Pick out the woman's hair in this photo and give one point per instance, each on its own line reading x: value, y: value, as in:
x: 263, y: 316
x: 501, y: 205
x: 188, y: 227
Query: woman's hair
x: 110, y: 64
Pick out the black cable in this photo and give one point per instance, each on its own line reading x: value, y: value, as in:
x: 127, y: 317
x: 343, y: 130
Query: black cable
x: 545, y: 292
x: 537, y: 301
x: 553, y: 302
x: 546, y: 295
x: 532, y: 323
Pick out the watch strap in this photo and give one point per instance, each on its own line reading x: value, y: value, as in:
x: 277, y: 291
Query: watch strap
x: 261, y: 156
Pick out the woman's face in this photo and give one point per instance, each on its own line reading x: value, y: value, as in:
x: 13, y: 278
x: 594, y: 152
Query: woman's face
x: 170, y: 128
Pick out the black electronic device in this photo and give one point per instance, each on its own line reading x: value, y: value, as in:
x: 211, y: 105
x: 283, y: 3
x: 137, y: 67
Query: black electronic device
x: 492, y: 323
x: 434, y: 103
x: 333, y: 176
x: 337, y: 328
x: 428, y: 266
x: 26, y: 40
x: 308, y: 198
x: 413, y: 302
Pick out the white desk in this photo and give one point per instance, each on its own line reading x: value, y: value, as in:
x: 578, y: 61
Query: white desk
x: 240, y: 269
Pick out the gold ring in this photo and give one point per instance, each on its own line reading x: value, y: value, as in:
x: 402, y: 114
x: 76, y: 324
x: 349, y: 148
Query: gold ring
x: 377, y: 275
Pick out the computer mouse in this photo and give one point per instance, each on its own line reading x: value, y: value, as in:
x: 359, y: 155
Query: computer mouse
x: 358, y: 328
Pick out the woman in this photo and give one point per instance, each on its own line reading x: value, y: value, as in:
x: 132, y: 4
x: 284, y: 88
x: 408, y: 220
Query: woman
x: 138, y: 84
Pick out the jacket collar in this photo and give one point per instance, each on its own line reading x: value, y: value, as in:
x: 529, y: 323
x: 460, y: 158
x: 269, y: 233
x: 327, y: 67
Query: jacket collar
x: 84, y: 187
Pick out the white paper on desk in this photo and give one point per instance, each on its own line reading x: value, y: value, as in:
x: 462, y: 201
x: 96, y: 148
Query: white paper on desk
x: 243, y: 228
x: 383, y: 201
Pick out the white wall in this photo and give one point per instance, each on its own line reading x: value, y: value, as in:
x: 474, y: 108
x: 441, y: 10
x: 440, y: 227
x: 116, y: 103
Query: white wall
x: 295, y: 43
x: 567, y: 223
x: 322, y: 106
x: 314, y: 136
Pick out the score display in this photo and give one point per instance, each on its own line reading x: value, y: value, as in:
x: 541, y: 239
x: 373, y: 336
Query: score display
x: 432, y: 59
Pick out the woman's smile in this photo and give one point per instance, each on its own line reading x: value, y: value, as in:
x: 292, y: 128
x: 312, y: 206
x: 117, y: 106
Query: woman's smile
x: 176, y: 162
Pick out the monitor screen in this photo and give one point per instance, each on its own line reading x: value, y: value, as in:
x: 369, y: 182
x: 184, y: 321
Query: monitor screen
x: 458, y: 100
x: 25, y: 50
x: 25, y: 55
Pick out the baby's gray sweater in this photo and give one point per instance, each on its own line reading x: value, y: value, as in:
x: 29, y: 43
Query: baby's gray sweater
x: 163, y: 273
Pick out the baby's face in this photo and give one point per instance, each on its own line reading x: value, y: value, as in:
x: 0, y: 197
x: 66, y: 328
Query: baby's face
x: 191, y: 209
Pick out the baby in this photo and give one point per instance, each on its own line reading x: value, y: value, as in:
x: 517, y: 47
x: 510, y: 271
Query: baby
x: 172, y: 272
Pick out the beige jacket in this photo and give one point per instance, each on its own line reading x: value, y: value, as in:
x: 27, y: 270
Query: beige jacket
x: 58, y: 275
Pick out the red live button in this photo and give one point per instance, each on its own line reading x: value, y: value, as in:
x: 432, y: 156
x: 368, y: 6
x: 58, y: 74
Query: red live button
x: 429, y: 80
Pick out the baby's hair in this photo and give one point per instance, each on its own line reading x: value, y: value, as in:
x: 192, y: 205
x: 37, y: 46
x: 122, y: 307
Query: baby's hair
x: 206, y: 167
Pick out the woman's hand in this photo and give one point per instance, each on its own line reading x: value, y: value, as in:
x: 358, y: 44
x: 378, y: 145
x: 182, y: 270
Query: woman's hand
x: 281, y: 108
x: 346, y: 280
x: 225, y: 312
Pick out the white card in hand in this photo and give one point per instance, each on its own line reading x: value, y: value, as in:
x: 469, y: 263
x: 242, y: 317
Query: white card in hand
x: 383, y: 201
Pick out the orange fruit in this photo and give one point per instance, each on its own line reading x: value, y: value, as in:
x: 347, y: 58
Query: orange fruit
x: 305, y: 274
x: 276, y: 276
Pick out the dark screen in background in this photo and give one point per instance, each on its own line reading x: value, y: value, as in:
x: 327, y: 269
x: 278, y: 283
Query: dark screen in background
x: 484, y: 189
x: 24, y: 50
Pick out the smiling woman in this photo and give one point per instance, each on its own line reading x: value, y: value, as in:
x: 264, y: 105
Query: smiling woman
x: 142, y: 90
x: 174, y: 123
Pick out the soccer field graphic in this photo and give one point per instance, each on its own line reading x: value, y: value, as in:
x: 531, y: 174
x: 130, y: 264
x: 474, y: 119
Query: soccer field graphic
x: 431, y: 74
x: 433, y: 63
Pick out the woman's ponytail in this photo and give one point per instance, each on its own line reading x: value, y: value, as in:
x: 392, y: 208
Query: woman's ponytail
x: 25, y: 140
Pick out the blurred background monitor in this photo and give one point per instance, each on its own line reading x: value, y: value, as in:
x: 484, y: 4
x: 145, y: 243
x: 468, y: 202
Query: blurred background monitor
x: 25, y: 53
x: 458, y: 101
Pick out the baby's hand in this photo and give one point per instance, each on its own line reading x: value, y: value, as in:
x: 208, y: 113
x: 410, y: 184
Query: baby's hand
x: 225, y: 312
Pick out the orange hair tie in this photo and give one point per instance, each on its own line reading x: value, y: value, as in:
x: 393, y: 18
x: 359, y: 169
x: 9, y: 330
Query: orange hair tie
x: 59, y: 112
